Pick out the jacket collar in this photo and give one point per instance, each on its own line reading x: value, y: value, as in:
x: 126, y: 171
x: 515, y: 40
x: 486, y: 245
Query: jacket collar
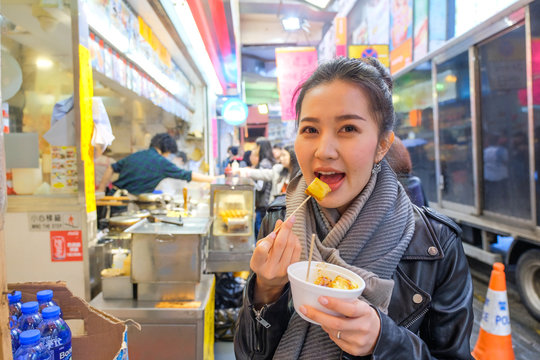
x: 424, y: 244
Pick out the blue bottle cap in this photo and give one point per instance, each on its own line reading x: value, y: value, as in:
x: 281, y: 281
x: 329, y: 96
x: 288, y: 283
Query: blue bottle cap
x: 44, y: 295
x: 14, y: 297
x: 50, y: 312
x: 29, y: 337
x: 30, y: 307
x: 157, y: 192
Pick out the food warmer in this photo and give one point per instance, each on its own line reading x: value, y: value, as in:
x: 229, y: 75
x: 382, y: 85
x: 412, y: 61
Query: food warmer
x: 232, y: 239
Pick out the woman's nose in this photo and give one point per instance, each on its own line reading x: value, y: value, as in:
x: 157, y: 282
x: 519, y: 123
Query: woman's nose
x: 327, y: 147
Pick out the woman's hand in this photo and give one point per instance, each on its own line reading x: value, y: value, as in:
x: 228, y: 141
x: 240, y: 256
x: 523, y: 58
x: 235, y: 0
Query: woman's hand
x: 357, y: 332
x: 271, y: 257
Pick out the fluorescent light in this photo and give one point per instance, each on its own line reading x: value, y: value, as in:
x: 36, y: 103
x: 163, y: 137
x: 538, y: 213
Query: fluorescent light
x: 319, y: 3
x: 263, y: 109
x: 44, y: 63
x: 291, y: 23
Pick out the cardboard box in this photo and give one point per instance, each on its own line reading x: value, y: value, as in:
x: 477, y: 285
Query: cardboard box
x: 95, y: 334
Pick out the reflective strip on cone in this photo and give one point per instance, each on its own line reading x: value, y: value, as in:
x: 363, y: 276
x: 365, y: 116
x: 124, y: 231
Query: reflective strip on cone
x: 495, y: 316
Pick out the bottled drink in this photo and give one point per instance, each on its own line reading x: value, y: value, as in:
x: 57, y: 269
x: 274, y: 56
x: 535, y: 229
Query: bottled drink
x: 45, y: 298
x: 30, y: 317
x: 15, y: 332
x: 55, y: 334
x: 31, y: 348
x: 15, y: 305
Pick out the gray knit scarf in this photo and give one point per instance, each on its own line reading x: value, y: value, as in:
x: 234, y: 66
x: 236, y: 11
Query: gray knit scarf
x: 369, y: 238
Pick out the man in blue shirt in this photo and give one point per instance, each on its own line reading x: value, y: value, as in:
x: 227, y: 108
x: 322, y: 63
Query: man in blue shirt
x: 142, y: 171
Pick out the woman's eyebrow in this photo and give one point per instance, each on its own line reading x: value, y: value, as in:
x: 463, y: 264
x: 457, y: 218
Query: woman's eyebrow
x: 349, y: 117
x: 309, y: 119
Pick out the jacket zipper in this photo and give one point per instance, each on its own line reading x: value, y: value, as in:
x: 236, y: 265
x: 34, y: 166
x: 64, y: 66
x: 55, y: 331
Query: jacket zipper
x: 416, y: 318
x: 260, y: 322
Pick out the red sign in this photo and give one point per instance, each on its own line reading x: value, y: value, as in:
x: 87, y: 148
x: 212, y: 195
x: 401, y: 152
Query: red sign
x: 294, y: 66
x: 66, y: 245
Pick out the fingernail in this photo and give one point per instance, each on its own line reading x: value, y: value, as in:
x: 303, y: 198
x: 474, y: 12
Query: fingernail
x: 272, y: 235
x: 293, y: 219
x: 303, y: 310
x: 323, y: 300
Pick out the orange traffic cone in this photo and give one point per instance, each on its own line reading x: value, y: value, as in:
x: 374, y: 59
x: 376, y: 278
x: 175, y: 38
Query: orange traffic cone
x: 495, y: 339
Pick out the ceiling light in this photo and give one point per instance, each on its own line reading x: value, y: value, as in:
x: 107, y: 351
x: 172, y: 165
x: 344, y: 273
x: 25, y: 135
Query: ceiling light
x: 263, y: 109
x: 319, y: 3
x: 44, y: 63
x: 290, y: 23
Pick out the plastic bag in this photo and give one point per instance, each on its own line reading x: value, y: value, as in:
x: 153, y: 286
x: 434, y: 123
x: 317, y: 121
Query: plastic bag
x: 229, y: 290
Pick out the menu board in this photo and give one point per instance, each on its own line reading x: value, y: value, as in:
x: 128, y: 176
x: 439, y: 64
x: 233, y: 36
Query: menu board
x: 64, y: 169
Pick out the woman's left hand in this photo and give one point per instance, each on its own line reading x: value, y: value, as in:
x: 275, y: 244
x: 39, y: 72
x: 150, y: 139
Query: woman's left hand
x: 357, y: 332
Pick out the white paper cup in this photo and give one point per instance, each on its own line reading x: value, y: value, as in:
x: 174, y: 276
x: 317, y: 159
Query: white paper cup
x: 307, y: 293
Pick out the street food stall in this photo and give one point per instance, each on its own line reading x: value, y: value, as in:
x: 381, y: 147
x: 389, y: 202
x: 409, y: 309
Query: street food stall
x: 165, y: 290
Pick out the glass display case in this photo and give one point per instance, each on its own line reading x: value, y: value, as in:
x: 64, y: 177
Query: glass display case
x: 232, y: 207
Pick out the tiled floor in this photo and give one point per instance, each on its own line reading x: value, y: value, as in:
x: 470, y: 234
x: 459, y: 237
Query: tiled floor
x: 223, y: 350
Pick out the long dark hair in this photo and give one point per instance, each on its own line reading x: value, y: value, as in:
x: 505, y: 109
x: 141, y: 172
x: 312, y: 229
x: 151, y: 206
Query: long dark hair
x: 368, y: 74
x: 265, y: 151
x: 293, y: 166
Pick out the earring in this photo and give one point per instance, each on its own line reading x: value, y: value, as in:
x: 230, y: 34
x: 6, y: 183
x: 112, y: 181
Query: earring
x: 376, y: 168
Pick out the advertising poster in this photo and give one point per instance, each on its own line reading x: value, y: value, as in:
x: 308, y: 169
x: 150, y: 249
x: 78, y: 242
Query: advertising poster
x: 437, y: 23
x: 377, y: 51
x: 401, y: 56
x: 401, y: 22
x: 66, y: 245
x: 341, y: 36
x: 420, y: 28
x: 64, y: 169
x: 378, y: 22
x: 294, y: 65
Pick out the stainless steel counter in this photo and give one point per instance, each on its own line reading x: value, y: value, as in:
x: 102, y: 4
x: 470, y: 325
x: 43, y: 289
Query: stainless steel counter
x: 167, y: 333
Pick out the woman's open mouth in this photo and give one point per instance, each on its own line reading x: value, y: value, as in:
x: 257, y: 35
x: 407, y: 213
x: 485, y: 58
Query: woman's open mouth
x: 332, y: 178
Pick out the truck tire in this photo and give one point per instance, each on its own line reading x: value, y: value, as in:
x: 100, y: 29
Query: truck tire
x: 528, y: 281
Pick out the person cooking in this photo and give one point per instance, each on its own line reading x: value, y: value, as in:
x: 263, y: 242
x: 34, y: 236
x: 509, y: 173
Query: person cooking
x: 142, y: 171
x: 417, y: 303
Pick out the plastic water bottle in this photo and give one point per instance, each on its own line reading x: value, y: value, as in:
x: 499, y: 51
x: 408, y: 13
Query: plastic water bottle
x: 45, y: 298
x: 15, y: 332
x: 30, y: 317
x: 31, y: 348
x: 15, y: 305
x: 55, y: 334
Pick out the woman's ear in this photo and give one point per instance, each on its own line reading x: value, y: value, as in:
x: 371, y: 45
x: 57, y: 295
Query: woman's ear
x: 384, y: 145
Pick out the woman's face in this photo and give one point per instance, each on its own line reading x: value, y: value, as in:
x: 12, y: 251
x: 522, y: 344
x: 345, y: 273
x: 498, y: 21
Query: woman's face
x: 254, y: 157
x: 337, y: 141
x: 285, y: 158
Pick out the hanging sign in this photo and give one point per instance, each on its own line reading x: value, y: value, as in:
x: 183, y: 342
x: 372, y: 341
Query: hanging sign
x: 294, y: 65
x: 234, y: 112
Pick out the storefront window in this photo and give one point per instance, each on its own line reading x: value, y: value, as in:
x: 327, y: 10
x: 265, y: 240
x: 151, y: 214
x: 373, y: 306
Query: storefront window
x: 504, y: 124
x: 37, y: 74
x: 455, y: 130
x: 414, y: 123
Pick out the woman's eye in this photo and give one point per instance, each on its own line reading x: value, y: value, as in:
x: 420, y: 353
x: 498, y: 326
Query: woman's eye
x: 308, y: 130
x: 349, y: 128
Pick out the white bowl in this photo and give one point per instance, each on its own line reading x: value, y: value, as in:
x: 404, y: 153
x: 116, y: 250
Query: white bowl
x: 307, y: 293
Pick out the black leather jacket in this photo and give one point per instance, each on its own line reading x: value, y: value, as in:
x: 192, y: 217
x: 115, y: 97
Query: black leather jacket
x: 430, y: 315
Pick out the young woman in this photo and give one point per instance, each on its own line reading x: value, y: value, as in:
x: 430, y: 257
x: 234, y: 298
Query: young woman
x: 279, y: 175
x: 417, y: 303
x: 266, y: 160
